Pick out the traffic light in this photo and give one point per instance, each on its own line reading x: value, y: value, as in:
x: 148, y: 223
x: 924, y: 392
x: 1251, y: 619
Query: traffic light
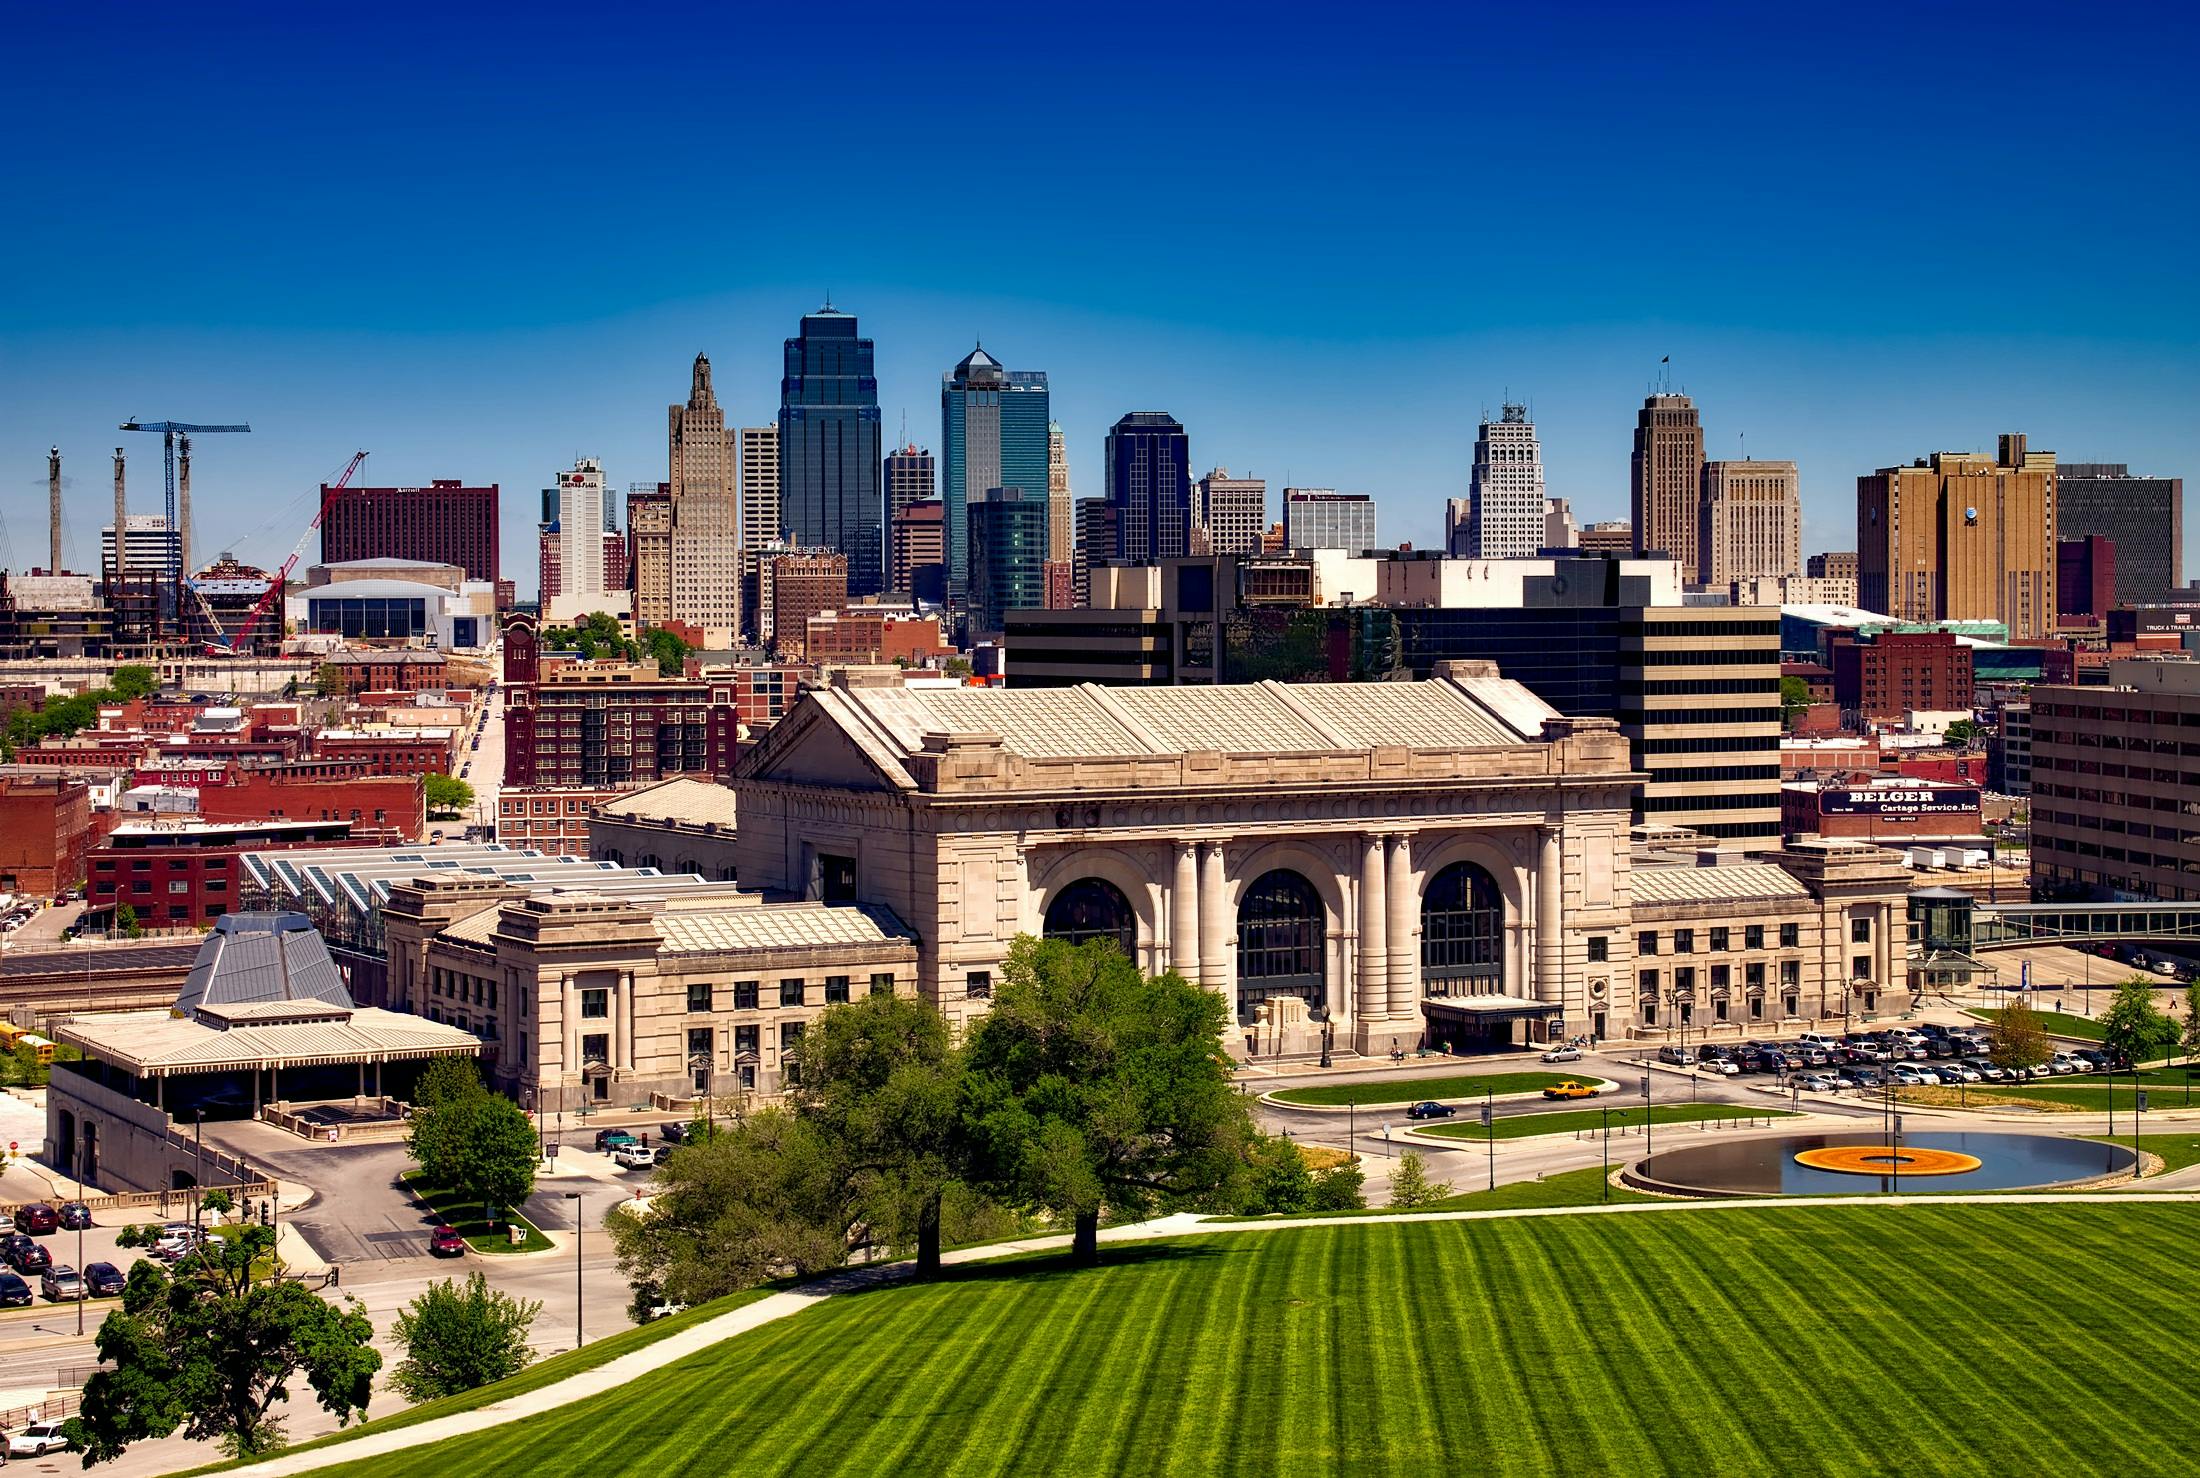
x: 265, y: 1207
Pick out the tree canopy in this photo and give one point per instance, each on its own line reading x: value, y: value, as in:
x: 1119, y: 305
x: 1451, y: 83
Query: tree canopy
x: 598, y: 636
x: 448, y: 794
x: 211, y: 1347
x: 465, y: 1138
x: 2131, y: 1028
x: 460, y: 1336
x: 2017, y: 1039
x: 65, y: 714
x: 1092, y: 1085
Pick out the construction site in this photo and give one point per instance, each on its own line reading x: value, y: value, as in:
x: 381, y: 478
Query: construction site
x: 221, y: 624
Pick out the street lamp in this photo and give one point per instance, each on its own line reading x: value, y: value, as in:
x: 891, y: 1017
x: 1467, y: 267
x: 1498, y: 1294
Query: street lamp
x: 579, y: 1315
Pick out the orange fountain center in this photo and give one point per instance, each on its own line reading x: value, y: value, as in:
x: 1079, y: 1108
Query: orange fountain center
x: 1887, y: 1159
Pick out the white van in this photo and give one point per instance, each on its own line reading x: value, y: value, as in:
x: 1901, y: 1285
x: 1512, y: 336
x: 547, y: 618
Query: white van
x: 1827, y: 1040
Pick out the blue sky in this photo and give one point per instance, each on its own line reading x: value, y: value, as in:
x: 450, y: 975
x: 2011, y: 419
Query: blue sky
x: 479, y: 242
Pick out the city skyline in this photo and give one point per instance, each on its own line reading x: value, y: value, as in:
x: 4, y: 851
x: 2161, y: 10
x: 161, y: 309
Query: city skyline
x: 490, y: 354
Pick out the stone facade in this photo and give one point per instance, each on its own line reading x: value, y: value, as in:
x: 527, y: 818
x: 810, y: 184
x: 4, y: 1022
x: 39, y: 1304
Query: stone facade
x: 584, y: 999
x: 1443, y: 861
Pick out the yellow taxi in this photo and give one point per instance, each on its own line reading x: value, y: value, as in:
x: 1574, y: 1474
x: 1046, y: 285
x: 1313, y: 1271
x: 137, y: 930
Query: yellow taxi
x: 1571, y: 1088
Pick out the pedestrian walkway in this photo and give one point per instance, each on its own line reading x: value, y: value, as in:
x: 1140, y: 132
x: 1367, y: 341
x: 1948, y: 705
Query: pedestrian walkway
x: 697, y: 1338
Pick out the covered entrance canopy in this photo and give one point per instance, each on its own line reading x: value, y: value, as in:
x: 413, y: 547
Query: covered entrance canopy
x: 1490, y: 1023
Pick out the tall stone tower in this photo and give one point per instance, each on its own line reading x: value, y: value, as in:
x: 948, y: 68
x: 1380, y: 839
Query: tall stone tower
x: 1666, y: 479
x: 706, y: 568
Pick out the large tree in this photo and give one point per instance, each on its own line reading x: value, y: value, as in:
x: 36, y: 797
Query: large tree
x: 2132, y: 1029
x: 2190, y: 1041
x: 764, y: 1199
x: 447, y: 794
x: 460, y: 1336
x: 465, y: 1138
x: 2016, y: 1038
x: 879, y: 1081
x: 1092, y: 1085
x: 212, y: 1346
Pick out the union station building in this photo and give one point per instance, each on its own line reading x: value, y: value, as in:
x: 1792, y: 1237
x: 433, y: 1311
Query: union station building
x: 1355, y: 868
x: 1366, y: 866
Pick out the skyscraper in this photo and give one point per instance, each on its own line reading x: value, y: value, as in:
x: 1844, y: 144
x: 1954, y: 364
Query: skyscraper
x: 1149, y: 484
x: 580, y: 530
x: 705, y: 574
x: 993, y: 434
x: 1323, y: 518
x: 909, y: 479
x: 1961, y: 536
x: 443, y: 523
x: 1749, y: 523
x: 759, y: 485
x: 1665, y: 481
x: 1231, y: 512
x: 649, y: 548
x: 2143, y: 516
x: 1506, y: 489
x: 829, y: 445
x: 1061, y: 509
x: 1008, y: 556
x: 1458, y: 526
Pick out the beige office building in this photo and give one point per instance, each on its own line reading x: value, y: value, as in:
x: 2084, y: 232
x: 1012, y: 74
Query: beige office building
x: 705, y: 570
x: 759, y: 486
x: 1961, y: 536
x: 1665, y: 478
x: 1231, y: 512
x: 649, y: 537
x: 1749, y: 523
x: 1061, y: 507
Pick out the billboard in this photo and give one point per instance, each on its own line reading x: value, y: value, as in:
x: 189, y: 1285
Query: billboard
x: 1898, y: 801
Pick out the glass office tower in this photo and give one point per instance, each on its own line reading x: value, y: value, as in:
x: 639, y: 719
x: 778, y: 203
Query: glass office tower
x: 829, y: 445
x: 993, y: 434
x: 1007, y: 529
x: 1149, y: 477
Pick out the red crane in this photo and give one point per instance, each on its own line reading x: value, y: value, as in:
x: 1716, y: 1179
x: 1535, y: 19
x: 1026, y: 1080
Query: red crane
x: 282, y: 576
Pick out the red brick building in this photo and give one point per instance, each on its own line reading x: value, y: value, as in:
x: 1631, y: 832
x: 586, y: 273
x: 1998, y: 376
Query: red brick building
x: 45, y: 833
x: 390, y: 752
x: 763, y: 694
x: 609, y: 725
x: 446, y: 522
x: 551, y: 819
x: 180, y: 874
x: 1899, y: 672
x: 865, y: 635
x: 795, y: 587
x: 361, y: 670
x: 384, y: 810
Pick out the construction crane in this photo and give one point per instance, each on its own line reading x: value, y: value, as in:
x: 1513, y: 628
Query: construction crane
x: 282, y: 576
x: 178, y: 526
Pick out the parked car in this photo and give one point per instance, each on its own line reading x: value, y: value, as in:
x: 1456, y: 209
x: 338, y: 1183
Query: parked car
x: 446, y: 1242
x: 1563, y: 1054
x: 1863, y: 1076
x: 14, y: 1292
x: 2062, y: 1064
x: 1815, y: 1056
x: 2095, y: 1060
x: 1571, y: 1088
x: 1723, y: 1066
x: 75, y: 1216
x: 1677, y: 1056
x: 40, y: 1438
x: 1956, y: 1072
x: 1818, y: 1083
x: 1431, y: 1109
x: 38, y: 1219
x: 1987, y: 1068
x: 634, y: 1155
x: 1906, y: 1076
x: 26, y: 1256
x: 103, y: 1279
x: 61, y: 1284
x: 611, y: 1139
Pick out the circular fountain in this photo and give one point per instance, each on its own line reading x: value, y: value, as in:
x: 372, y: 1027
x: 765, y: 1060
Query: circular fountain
x: 1863, y: 1164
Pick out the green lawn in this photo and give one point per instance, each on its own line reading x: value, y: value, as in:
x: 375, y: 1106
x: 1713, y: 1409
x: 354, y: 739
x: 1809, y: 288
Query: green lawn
x: 1525, y: 1126
x: 2054, y: 1023
x: 2165, y: 1089
x: 1566, y: 1188
x: 1414, y: 1090
x: 1755, y: 1340
x: 2178, y: 1151
x: 465, y: 1215
x: 541, y: 1373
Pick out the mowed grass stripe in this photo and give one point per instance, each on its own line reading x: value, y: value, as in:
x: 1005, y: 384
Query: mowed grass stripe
x: 1834, y: 1340
x: 1399, y: 1091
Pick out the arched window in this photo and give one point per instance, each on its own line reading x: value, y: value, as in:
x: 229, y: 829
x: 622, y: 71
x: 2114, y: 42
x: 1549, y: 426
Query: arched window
x: 1093, y: 908
x: 1463, y: 930
x: 1281, y: 944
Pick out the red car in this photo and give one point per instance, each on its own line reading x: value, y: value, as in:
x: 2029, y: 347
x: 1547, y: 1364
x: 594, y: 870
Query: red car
x: 446, y: 1242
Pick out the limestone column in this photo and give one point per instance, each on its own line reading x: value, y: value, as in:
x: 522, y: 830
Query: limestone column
x: 1399, y: 931
x: 625, y: 1023
x: 1214, y: 923
x: 1549, y: 903
x: 1184, y: 914
x: 1374, y: 972
x: 569, y: 1018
